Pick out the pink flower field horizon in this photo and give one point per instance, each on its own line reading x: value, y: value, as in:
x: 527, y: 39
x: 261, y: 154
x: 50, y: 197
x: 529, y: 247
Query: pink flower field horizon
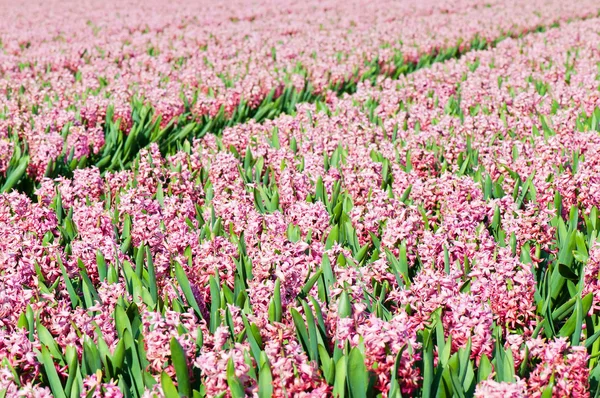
x: 300, y: 199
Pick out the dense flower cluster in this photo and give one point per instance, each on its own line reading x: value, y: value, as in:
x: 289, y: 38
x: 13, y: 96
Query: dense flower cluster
x: 433, y: 232
x: 79, y: 79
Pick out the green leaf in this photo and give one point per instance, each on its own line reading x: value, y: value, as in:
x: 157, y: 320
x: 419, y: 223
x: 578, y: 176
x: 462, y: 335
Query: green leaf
x: 184, y: 283
x: 254, y: 339
x: 310, y: 283
x: 91, y: 357
x: 258, y: 201
x: 122, y: 322
x: 547, y: 393
x: 73, y: 366
x: 101, y: 264
x: 46, y: 338
x: 344, y: 305
x: 312, y: 333
x: 395, y: 391
x: 265, y: 380
x: 567, y: 273
x: 178, y: 358
x: 151, y: 276
x: 167, y: 386
x: 406, y: 194
x: 75, y: 302
x: 339, y: 386
x: 358, y: 377
x: 579, y: 316
x: 51, y: 374
x: 301, y: 330
x: 275, y: 309
x: 90, y: 294
x: 215, y: 306
x: 132, y: 360
x: 275, y: 138
x: 235, y: 385
x: 327, y: 365
x: 13, y: 176
x: 118, y: 356
x: 332, y: 238
x: 504, y: 364
x: 327, y: 270
x: 485, y: 368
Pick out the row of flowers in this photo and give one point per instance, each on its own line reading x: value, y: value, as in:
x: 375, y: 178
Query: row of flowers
x: 434, y: 234
x: 92, y: 85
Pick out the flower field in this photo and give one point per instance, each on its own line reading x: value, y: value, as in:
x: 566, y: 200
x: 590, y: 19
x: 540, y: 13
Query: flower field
x: 309, y: 199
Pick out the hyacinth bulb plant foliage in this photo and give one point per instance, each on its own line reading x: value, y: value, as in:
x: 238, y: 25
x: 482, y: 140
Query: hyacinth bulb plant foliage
x: 167, y: 298
x: 435, y: 234
x: 67, y: 109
